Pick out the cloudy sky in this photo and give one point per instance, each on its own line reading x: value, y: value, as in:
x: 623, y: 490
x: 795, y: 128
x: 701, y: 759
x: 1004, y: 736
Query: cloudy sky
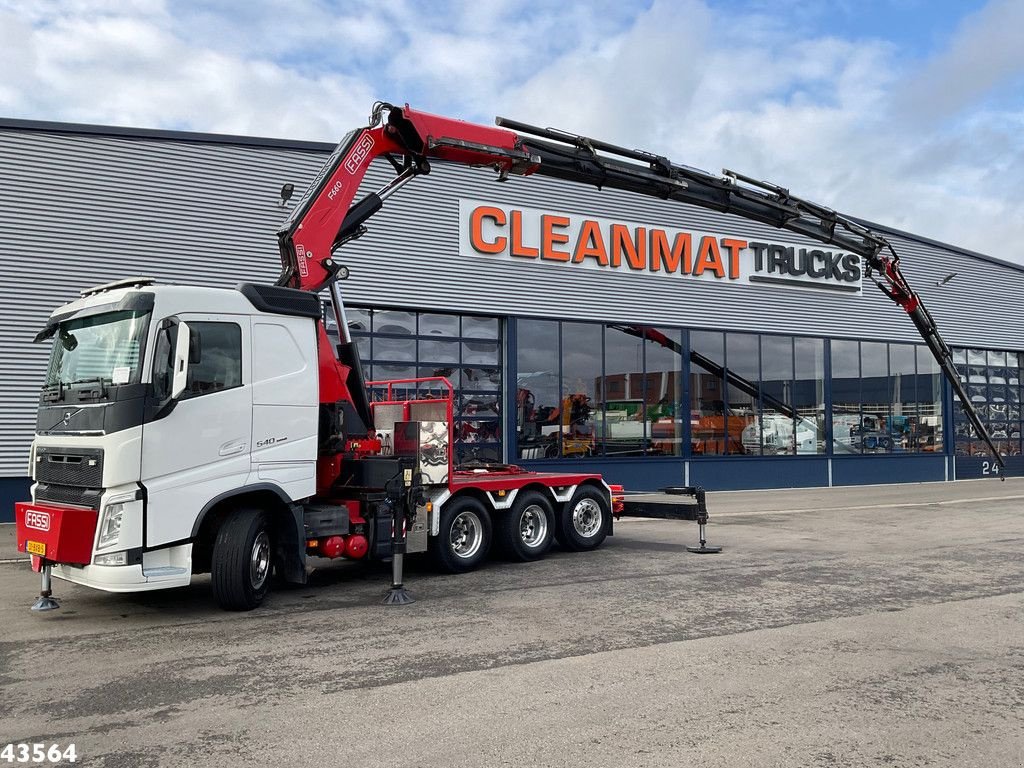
x: 905, y: 112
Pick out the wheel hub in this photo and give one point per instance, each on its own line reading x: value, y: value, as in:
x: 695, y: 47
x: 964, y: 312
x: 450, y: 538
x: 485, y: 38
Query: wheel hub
x: 586, y: 518
x: 467, y: 535
x: 533, y: 526
x: 259, y: 561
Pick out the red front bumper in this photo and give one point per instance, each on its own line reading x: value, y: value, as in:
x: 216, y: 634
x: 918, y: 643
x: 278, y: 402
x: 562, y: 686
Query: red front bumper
x: 57, y: 534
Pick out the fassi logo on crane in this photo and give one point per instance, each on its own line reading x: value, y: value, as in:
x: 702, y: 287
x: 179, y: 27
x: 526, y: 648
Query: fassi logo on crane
x: 565, y: 239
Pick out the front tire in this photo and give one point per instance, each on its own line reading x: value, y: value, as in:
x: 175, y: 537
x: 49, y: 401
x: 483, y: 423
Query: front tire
x: 464, y: 538
x: 583, y: 523
x: 242, y: 561
x: 528, y: 528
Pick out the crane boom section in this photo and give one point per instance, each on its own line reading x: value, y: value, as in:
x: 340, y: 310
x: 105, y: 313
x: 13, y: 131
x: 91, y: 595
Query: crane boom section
x: 326, y: 217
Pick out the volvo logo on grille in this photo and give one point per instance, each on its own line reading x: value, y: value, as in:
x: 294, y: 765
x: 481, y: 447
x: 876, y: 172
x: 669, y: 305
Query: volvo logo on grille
x: 37, y: 520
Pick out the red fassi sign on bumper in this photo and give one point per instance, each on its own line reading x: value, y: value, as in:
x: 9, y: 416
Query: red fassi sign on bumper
x: 58, y: 534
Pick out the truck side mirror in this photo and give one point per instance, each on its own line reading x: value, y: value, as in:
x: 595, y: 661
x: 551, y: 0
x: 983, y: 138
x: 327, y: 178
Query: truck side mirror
x: 179, y: 377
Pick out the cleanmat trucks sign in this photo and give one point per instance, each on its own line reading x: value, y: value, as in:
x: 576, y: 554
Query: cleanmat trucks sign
x: 573, y: 241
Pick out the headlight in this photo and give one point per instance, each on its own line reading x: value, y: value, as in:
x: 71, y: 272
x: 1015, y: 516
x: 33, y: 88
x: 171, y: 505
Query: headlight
x: 113, y: 512
x: 110, y: 528
x: 114, y: 558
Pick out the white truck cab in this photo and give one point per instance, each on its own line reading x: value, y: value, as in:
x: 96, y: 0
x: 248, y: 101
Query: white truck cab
x: 161, y: 400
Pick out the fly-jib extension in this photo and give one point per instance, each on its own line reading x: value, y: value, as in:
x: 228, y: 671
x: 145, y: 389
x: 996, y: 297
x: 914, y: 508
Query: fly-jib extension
x: 327, y: 217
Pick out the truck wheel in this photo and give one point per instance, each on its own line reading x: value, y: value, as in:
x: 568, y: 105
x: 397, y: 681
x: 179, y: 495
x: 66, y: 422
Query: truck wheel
x: 242, y: 560
x: 582, y: 524
x: 527, y: 530
x: 464, y: 538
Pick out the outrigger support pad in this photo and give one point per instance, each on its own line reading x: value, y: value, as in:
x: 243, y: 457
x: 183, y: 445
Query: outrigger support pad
x: 701, y: 517
x: 45, y: 601
x: 398, y: 594
x: 702, y: 521
x: 664, y: 510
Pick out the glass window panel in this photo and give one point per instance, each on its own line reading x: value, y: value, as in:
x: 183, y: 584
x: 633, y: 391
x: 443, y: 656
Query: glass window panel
x: 809, y: 394
x: 774, y: 432
x: 743, y: 359
x: 620, y: 416
x: 707, y: 393
x: 873, y: 430
x: 977, y: 394
x: 363, y: 344
x: 904, y: 418
x: 480, y: 404
x: 977, y: 374
x: 390, y: 371
x: 394, y: 349
x: 581, y: 373
x: 394, y: 321
x: 219, y: 366
x: 438, y: 351
x: 449, y: 372
x: 976, y: 357
x: 845, y: 360
x: 467, y: 454
x: 481, y: 378
x: 481, y: 353
x: 929, y: 401
x: 997, y: 359
x: 480, y: 327
x: 439, y: 325
x: 663, y: 382
x: 478, y: 431
x: 358, y: 318
x: 537, y: 388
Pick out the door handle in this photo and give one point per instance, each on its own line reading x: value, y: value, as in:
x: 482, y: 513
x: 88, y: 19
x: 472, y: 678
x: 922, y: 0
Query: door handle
x: 233, y: 447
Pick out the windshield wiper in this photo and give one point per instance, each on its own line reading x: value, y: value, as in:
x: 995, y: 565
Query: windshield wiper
x: 53, y: 392
x: 100, y: 391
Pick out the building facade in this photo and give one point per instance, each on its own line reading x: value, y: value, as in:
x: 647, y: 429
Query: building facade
x: 658, y: 343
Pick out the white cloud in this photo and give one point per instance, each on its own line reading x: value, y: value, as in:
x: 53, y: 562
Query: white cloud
x: 932, y: 146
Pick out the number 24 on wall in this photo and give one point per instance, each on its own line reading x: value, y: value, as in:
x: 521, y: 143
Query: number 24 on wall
x: 989, y: 468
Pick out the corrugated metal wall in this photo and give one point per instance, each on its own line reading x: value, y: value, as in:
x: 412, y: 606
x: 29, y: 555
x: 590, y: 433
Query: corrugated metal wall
x: 84, y: 208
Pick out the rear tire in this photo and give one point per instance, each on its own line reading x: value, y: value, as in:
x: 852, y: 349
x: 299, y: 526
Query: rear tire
x: 464, y: 538
x: 527, y: 530
x: 583, y: 523
x: 242, y: 561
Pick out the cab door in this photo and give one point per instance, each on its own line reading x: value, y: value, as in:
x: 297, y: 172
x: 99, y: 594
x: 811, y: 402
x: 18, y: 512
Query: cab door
x: 197, y: 447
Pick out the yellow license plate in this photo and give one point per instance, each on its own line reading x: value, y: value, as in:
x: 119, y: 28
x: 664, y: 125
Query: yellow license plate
x: 36, y: 548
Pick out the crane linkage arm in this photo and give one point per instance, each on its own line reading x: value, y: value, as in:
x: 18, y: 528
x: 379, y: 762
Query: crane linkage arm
x: 326, y: 218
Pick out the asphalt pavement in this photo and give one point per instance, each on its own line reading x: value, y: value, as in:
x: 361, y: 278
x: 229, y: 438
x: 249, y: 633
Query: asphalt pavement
x: 877, y: 626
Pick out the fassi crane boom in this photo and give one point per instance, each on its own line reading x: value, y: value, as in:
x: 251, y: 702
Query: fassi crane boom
x: 326, y: 217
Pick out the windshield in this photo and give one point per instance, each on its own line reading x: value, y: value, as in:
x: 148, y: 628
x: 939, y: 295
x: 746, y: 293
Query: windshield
x: 102, y: 347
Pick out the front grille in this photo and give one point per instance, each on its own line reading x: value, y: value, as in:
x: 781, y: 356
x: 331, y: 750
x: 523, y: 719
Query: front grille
x: 81, y: 467
x: 67, y: 494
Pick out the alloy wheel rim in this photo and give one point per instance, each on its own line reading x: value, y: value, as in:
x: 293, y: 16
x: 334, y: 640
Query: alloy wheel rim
x: 466, y: 535
x: 259, y: 561
x: 586, y: 518
x: 533, y: 526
